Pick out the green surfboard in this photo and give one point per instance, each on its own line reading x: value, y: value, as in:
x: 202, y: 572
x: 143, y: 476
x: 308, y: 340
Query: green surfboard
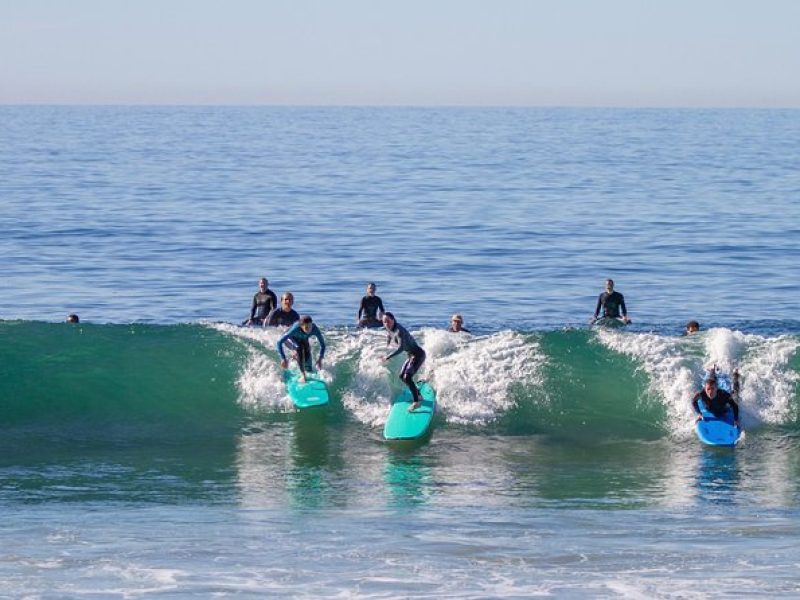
x: 404, y: 425
x: 314, y: 392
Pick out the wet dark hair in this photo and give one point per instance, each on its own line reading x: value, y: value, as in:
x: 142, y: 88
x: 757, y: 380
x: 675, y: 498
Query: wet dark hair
x: 390, y: 315
x: 692, y: 325
x: 305, y: 320
x: 73, y: 318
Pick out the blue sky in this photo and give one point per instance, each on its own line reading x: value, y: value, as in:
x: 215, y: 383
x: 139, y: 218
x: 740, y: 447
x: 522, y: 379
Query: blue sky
x: 715, y: 53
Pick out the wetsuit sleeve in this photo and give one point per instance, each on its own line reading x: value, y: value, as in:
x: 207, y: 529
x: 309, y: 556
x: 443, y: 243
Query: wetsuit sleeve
x: 361, y: 308
x: 395, y: 353
x: 380, y: 306
x: 272, y: 318
x: 284, y: 338
x: 399, y: 349
x: 734, y: 407
x: 253, y: 308
x: 599, y: 305
x: 274, y: 299
x: 622, y: 305
x: 318, y: 334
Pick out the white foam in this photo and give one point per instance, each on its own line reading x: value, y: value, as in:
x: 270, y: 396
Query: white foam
x: 675, y: 367
x: 260, y: 382
x: 472, y: 375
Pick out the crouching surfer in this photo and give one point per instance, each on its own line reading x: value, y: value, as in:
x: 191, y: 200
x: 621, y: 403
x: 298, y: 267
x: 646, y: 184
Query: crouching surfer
x: 717, y: 400
x: 297, y: 338
x: 416, y: 355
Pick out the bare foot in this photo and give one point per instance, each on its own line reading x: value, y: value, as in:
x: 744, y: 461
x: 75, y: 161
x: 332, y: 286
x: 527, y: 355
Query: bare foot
x: 414, y: 406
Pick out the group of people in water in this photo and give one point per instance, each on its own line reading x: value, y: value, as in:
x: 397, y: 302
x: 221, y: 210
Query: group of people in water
x: 265, y: 311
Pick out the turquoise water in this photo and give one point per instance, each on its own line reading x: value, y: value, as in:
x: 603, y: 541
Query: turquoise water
x: 151, y: 449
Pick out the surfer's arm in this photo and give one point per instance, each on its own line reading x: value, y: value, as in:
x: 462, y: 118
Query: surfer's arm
x: 696, y: 407
x: 253, y: 308
x: 318, y: 334
x: 280, y: 346
x: 285, y: 338
x: 735, y: 408
x: 360, y: 310
x: 598, y: 307
x: 395, y: 353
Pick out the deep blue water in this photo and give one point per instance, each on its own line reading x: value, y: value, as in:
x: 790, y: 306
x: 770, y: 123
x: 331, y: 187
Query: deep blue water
x: 512, y: 216
x: 152, y: 450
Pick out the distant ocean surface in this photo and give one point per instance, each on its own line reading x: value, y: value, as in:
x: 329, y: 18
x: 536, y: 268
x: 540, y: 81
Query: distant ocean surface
x: 151, y: 449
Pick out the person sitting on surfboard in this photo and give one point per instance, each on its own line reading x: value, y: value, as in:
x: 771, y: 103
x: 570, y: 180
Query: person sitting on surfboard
x: 284, y: 315
x: 416, y: 355
x: 456, y: 324
x: 264, y: 302
x: 371, y: 309
x: 716, y: 400
x: 298, y: 336
x: 612, y: 303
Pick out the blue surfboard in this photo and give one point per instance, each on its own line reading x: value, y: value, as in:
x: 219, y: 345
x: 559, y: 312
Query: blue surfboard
x: 718, y: 431
x: 314, y: 392
x: 404, y: 425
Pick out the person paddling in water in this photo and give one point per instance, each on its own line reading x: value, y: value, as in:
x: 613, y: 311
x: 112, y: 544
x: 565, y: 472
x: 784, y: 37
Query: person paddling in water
x: 612, y: 304
x: 284, y: 315
x: 297, y: 338
x: 371, y: 309
x: 716, y: 400
x: 264, y: 302
x: 416, y: 355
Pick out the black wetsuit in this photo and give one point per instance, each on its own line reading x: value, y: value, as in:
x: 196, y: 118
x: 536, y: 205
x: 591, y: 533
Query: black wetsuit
x: 462, y: 330
x: 279, y: 317
x: 368, y: 311
x: 416, y: 356
x: 611, y: 304
x: 263, y: 304
x: 717, y: 405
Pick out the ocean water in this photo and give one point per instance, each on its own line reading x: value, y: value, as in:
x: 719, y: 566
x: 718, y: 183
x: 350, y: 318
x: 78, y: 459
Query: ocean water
x: 151, y: 449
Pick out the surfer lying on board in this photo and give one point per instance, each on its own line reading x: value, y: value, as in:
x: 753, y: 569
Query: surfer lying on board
x: 416, y: 355
x: 297, y: 338
x: 371, y: 309
x: 612, y: 304
x: 284, y: 315
x: 715, y: 399
x: 264, y: 302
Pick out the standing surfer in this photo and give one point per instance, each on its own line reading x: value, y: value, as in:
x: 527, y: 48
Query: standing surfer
x: 298, y: 339
x: 416, y: 355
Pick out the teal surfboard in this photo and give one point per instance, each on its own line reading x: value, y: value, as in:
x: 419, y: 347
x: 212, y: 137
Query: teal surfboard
x: 404, y: 425
x: 314, y: 392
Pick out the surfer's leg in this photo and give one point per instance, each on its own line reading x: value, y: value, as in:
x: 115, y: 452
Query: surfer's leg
x: 410, y: 367
x: 303, y: 353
